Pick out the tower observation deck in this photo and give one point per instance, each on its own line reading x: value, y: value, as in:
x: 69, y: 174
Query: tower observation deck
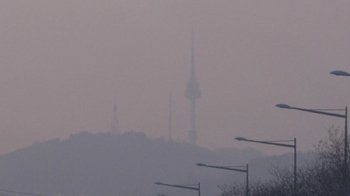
x: 192, y: 93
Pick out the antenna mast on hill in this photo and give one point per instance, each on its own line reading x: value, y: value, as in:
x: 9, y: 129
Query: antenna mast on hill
x: 115, y: 123
x: 170, y: 118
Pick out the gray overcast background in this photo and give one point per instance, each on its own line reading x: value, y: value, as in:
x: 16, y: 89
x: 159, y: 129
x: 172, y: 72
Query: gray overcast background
x: 63, y: 62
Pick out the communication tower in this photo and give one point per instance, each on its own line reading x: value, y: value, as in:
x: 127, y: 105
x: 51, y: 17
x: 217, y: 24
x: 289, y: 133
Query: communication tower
x: 115, y: 123
x: 192, y: 93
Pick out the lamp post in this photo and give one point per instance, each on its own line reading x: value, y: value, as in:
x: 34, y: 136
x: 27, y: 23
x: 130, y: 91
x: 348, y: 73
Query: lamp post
x: 196, y: 188
x: 324, y: 112
x: 279, y: 143
x: 232, y: 168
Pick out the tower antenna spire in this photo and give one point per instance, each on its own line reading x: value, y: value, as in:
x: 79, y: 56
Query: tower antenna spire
x: 192, y: 93
x: 192, y: 55
x: 170, y: 119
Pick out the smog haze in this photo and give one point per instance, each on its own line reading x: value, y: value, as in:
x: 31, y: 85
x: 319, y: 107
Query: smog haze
x: 64, y: 64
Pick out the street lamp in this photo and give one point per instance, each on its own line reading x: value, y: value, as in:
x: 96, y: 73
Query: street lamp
x: 196, y: 188
x: 339, y: 73
x: 279, y: 143
x: 232, y: 168
x: 324, y: 112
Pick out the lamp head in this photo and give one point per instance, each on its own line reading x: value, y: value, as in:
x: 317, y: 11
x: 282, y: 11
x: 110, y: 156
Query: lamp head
x: 340, y: 73
x: 201, y: 164
x: 285, y: 106
x: 241, y: 138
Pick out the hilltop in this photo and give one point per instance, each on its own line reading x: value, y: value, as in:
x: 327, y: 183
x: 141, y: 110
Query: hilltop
x: 125, y: 164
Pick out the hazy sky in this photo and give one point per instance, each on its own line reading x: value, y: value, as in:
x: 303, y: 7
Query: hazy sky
x: 63, y: 62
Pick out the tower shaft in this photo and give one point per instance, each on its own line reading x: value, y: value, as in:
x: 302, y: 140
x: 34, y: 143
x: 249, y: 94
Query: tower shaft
x: 192, y: 135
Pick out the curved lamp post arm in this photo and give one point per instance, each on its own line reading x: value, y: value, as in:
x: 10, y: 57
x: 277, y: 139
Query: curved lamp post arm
x: 272, y: 143
x: 320, y: 112
x: 198, y: 188
x: 222, y: 167
x: 285, y: 106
